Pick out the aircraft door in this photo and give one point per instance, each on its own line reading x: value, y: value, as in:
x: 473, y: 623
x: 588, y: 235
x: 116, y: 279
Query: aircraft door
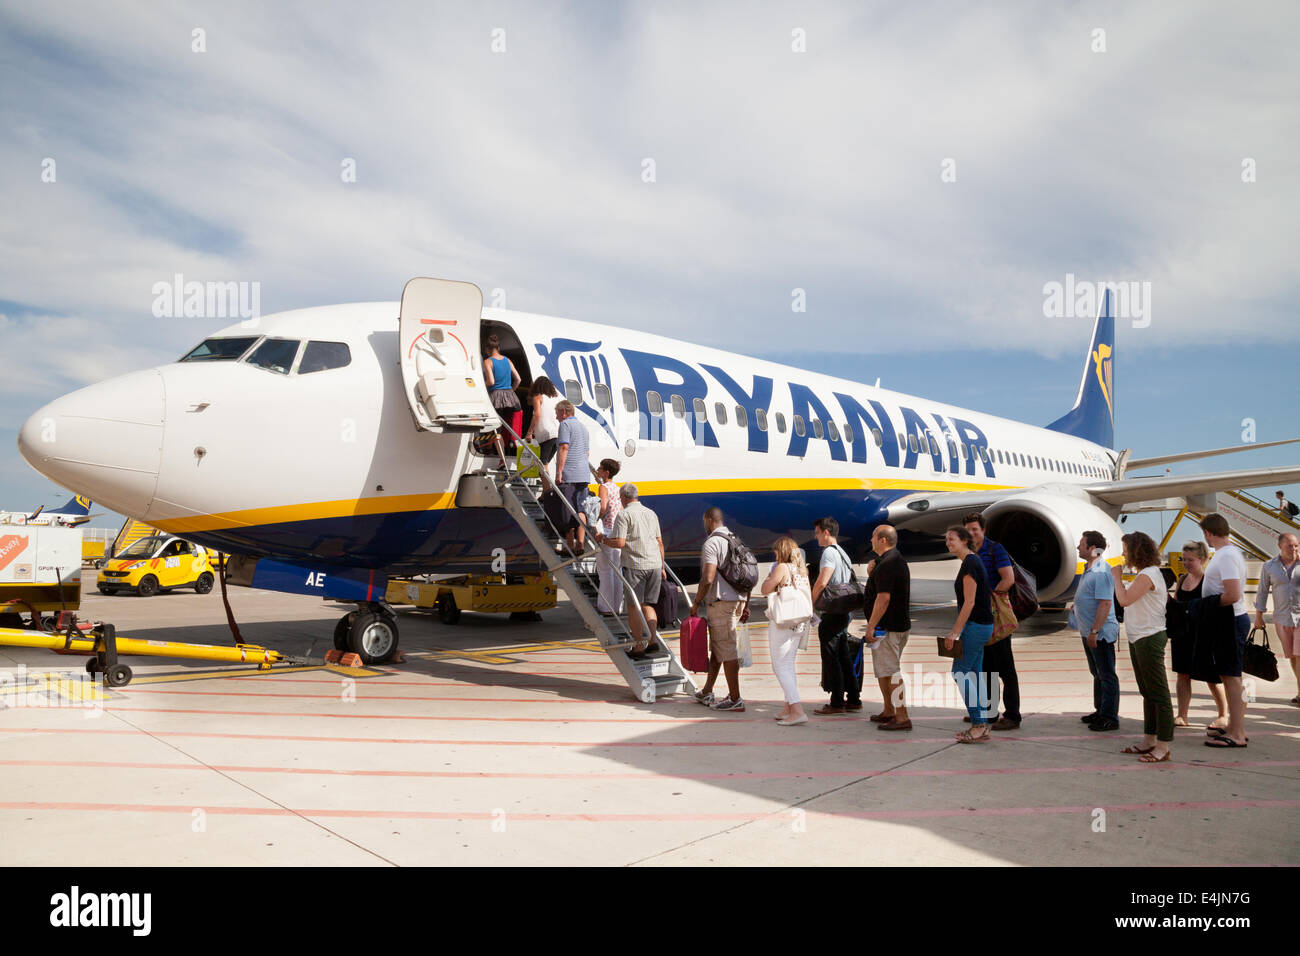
x: 439, y: 341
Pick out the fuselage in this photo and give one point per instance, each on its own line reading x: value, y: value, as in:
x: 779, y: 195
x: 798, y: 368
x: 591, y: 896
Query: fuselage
x: 327, y: 466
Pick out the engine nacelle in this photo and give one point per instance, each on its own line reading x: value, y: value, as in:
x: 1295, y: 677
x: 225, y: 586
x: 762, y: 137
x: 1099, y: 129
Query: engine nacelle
x: 1041, y: 530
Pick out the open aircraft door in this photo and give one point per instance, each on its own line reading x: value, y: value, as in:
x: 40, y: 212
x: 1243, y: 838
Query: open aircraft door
x: 441, y: 371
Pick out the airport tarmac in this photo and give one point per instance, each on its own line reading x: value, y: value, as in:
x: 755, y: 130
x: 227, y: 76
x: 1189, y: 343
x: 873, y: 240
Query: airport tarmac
x: 505, y: 743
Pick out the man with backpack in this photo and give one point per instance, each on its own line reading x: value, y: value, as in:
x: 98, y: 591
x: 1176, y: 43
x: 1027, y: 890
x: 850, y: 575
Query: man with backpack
x: 728, y: 572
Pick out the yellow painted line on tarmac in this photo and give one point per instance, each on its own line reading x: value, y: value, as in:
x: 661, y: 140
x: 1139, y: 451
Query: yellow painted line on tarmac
x: 236, y: 671
x: 503, y: 655
x: 70, y: 687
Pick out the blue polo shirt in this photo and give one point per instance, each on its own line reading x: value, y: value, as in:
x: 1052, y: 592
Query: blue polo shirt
x: 1096, y: 585
x: 994, y: 557
x: 574, y: 434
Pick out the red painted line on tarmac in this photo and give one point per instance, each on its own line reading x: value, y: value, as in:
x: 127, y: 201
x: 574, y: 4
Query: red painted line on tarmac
x: 781, y: 814
x: 743, y: 775
x: 595, y: 744
x: 131, y: 692
x: 666, y: 719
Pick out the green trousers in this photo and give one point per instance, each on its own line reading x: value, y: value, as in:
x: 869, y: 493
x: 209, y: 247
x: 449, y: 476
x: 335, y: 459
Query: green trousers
x: 1148, y: 657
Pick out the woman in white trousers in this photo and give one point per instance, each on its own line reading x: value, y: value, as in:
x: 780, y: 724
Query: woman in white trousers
x: 789, y: 570
x: 610, y: 600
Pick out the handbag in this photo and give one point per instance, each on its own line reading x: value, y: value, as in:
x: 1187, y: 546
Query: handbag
x: 591, y: 508
x: 1024, y: 592
x: 841, y: 598
x: 790, y: 606
x: 944, y: 652
x: 1258, y: 660
x: 1005, y: 621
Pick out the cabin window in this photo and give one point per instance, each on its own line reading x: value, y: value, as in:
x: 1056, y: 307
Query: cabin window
x: 878, y: 437
x: 275, y: 355
x: 902, y: 442
x: 833, y: 431
x: 818, y: 431
x: 219, y: 350
x: 911, y: 444
x: 780, y: 423
x: 741, y: 418
x: 654, y: 403
x: 601, y: 391
x: 760, y: 417
x: 849, y: 436
x: 964, y: 453
x: 721, y: 411
x: 679, y: 406
x: 701, y: 410
x: 573, y: 392
x: 798, y: 426
x: 629, y: 399
x: 321, y: 356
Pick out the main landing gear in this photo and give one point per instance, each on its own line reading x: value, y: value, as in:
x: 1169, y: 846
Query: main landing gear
x: 369, y: 632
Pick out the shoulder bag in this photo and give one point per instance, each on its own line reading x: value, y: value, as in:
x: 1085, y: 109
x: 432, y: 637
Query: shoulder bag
x: 841, y: 598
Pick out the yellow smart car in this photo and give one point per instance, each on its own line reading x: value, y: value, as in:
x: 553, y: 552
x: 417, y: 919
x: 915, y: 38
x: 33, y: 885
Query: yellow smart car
x: 157, y: 563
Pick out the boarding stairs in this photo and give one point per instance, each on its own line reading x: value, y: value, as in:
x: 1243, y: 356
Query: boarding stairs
x: 650, y: 675
x: 1255, y: 523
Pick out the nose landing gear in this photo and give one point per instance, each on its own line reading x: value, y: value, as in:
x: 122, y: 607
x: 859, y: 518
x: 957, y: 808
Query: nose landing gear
x: 370, y: 632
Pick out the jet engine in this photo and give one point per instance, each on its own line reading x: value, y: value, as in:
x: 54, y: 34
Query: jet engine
x: 1041, y: 530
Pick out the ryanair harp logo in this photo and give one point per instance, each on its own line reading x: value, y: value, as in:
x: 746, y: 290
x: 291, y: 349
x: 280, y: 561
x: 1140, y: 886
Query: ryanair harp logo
x: 1101, y: 360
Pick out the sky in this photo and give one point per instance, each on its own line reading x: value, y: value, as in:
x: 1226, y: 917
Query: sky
x: 914, y: 174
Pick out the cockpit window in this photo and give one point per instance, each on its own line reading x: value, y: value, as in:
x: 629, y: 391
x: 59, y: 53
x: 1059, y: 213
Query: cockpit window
x: 219, y: 350
x: 319, y: 356
x: 275, y: 355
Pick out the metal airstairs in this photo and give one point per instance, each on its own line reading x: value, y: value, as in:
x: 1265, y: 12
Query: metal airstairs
x: 1255, y: 523
x: 648, y: 676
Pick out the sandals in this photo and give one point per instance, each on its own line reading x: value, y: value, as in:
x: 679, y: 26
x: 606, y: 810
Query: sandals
x: 1215, y: 733
x: 1152, y: 758
x: 1223, y: 742
x: 1135, y: 749
x: 966, y: 737
x: 1181, y: 722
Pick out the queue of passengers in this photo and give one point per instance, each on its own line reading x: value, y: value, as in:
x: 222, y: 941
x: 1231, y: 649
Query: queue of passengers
x: 1212, y: 624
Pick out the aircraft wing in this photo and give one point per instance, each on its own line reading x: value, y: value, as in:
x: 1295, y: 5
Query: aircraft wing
x: 1136, y: 490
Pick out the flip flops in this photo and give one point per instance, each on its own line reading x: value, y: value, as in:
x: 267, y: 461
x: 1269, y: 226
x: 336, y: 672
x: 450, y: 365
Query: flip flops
x: 1224, y: 742
x: 1151, y: 758
x: 1135, y: 749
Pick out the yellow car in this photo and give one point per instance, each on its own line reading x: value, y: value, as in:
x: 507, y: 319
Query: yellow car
x: 157, y: 563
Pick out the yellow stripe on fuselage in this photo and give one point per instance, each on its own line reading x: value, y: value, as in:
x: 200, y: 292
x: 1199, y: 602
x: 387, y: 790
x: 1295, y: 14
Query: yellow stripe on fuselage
x: 394, y: 504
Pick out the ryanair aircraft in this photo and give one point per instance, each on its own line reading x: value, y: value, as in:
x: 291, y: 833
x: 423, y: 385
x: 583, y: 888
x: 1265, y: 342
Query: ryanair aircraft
x: 326, y: 446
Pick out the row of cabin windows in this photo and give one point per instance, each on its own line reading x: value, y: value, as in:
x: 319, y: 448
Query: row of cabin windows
x: 926, y: 443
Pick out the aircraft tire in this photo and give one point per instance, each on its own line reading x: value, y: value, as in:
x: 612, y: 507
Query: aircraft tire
x: 341, y: 633
x: 373, y: 637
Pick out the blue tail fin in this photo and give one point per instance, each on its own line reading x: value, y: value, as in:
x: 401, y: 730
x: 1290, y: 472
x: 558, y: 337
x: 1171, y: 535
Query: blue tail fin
x: 1093, y: 415
x: 77, y: 505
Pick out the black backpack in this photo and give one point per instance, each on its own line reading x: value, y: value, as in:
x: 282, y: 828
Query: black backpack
x: 739, y: 568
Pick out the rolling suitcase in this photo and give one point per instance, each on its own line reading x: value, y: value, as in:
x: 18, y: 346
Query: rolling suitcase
x: 694, y: 649
x: 666, y: 606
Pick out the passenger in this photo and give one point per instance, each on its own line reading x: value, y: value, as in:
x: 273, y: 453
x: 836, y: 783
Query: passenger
x: 725, y: 610
x: 1144, y: 627
x: 1281, y: 576
x: 1286, y: 508
x: 788, y: 570
x: 636, y: 532
x: 610, y: 600
x: 999, y: 662
x: 1225, y: 579
x: 838, y: 678
x: 1182, y: 650
x: 502, y: 377
x: 974, y: 626
x: 1093, y: 616
x: 544, y: 427
x: 572, y: 472
x: 887, y: 604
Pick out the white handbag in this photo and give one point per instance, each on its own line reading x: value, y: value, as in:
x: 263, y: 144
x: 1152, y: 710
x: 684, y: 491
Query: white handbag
x: 789, y: 606
x: 591, y: 507
x: 744, y: 654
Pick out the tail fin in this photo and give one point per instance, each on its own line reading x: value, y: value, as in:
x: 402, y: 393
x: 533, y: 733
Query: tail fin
x: 77, y: 505
x: 1093, y: 415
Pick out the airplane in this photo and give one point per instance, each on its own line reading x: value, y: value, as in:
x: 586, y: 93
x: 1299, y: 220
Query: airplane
x: 324, y: 448
x: 75, y: 512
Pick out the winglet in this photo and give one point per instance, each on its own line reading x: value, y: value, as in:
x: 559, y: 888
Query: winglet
x: 1093, y: 415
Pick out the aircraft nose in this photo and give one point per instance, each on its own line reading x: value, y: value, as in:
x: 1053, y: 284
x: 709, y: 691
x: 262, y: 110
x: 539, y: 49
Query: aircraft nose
x: 103, y: 441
